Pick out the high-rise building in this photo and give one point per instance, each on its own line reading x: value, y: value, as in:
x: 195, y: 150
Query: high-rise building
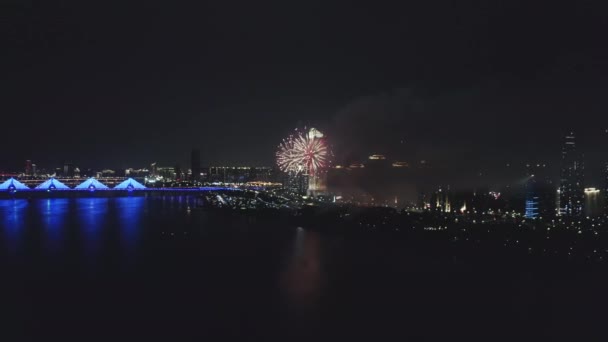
x: 166, y: 172
x: 571, y: 190
x: 592, y: 202
x: 317, y: 184
x: 239, y: 174
x: 68, y: 170
x: 153, y: 170
x: 195, y: 164
x: 422, y: 201
x: 28, y: 168
x: 605, y: 194
x: 606, y: 188
x: 178, y: 173
x: 441, y: 200
x: 540, y: 192
x: 261, y: 174
x: 296, y: 182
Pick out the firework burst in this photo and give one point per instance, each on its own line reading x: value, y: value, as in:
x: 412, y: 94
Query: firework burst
x: 304, y: 152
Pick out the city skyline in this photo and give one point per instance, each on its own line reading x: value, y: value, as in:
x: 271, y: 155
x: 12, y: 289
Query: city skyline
x: 466, y: 86
x: 497, y: 173
x: 304, y: 170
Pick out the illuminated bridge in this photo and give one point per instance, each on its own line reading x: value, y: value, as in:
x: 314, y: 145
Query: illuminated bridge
x: 13, y: 186
x: 70, y: 182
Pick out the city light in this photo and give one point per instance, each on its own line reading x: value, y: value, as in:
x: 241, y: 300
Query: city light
x: 91, y: 184
x: 130, y: 184
x: 12, y: 184
x: 52, y: 184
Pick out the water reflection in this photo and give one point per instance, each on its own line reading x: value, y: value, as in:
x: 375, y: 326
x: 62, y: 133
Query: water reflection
x: 92, y: 213
x: 13, y: 217
x: 53, y: 213
x: 130, y: 211
x: 303, y: 278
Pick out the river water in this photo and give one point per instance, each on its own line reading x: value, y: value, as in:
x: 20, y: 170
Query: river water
x: 154, y: 267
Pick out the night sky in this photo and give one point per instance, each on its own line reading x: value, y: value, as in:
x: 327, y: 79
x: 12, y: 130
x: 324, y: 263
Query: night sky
x: 462, y: 84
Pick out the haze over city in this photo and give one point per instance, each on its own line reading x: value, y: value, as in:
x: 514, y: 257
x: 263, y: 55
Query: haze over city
x: 303, y: 170
x: 436, y: 81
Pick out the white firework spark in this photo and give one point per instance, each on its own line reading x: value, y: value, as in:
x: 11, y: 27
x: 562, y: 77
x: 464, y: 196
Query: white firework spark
x: 304, y: 152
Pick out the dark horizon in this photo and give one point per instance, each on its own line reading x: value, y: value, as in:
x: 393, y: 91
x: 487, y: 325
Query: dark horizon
x: 455, y: 84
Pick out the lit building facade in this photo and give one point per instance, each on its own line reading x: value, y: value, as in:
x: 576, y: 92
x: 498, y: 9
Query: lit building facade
x: 240, y: 174
x: 166, y: 172
x: 605, y: 196
x: 592, y: 202
x: 195, y: 164
x: 153, y: 171
x: 571, y: 188
x: 540, y: 192
x: 297, y: 182
x: 29, y: 168
x: 441, y: 200
x: 68, y: 170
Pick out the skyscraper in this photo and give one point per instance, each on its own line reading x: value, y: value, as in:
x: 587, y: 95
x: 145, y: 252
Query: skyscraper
x: 28, y: 168
x: 605, y: 194
x: 592, y: 202
x: 440, y: 201
x: 297, y: 182
x: 178, y: 173
x: 571, y: 180
x: 153, y: 170
x: 540, y: 192
x: 606, y: 188
x: 195, y: 164
x: 68, y: 170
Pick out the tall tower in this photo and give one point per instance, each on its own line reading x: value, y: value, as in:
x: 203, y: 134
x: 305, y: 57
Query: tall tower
x: 540, y: 192
x: 28, y: 168
x: 68, y: 170
x: 571, y: 180
x: 605, y: 178
x: 153, y: 170
x: 297, y: 181
x: 317, y: 180
x: 178, y: 172
x: 606, y: 188
x: 195, y: 164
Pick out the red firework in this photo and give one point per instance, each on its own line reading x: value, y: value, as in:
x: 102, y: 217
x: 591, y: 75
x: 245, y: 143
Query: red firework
x: 304, y: 152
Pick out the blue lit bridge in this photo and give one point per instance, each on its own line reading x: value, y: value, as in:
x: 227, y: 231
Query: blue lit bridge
x: 13, y: 187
